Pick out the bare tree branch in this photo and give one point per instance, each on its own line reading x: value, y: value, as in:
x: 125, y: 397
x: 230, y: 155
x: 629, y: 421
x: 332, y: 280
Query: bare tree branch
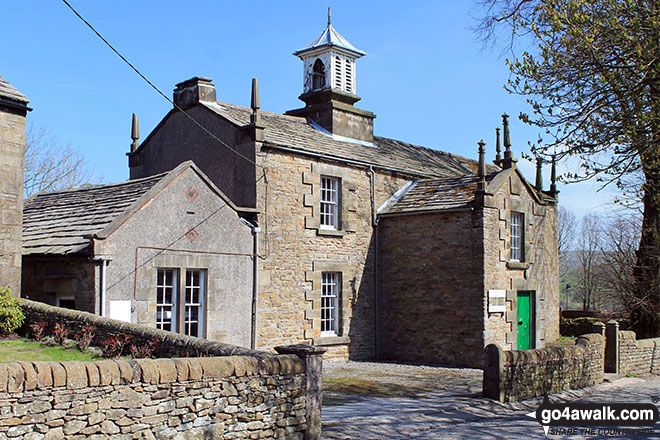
x: 50, y: 166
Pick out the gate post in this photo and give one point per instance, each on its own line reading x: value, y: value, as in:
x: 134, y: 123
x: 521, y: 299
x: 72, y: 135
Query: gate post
x: 612, y: 347
x: 313, y: 358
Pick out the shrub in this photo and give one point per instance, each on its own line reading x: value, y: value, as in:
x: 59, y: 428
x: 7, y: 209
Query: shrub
x: 143, y: 350
x: 60, y: 333
x: 85, y: 337
x: 114, y: 346
x: 11, y: 312
x: 38, y: 330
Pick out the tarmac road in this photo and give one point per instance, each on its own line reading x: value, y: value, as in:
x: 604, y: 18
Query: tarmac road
x: 455, y: 413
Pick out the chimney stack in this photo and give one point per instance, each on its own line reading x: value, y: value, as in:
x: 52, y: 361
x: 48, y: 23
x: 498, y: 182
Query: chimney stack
x: 192, y: 91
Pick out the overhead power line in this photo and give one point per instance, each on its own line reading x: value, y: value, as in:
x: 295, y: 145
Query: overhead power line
x: 135, y: 69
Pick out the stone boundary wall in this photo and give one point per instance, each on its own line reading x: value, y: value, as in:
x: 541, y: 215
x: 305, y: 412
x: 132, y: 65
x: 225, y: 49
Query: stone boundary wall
x: 638, y: 356
x: 241, y: 394
x: 511, y: 376
x: 221, y: 397
x: 169, y: 345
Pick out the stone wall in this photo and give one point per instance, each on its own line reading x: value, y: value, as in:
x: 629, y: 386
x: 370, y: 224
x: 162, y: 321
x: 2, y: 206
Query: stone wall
x: 191, y: 398
x: 13, y: 110
x: 538, y: 272
x: 510, y: 376
x: 638, y: 356
x: 296, y: 251
x: 170, y: 344
x: 47, y: 278
x: 243, y: 394
x: 432, y: 288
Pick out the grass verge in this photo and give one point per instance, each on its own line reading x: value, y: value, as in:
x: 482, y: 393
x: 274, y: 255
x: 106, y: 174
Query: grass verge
x: 26, y: 350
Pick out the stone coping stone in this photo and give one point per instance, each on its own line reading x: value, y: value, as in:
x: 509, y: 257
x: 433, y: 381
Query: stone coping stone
x: 36, y: 311
x: 27, y: 376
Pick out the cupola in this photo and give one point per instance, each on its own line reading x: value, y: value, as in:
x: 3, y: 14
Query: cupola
x: 330, y: 84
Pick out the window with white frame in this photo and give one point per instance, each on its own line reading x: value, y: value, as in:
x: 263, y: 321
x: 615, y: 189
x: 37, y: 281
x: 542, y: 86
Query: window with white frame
x: 181, y: 313
x: 329, y: 202
x: 194, y: 303
x: 166, y: 298
x: 330, y: 282
x: 517, y: 223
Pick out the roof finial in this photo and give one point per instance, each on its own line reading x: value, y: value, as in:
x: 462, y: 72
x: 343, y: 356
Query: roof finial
x: 481, y: 171
x: 135, y: 133
x: 507, y: 137
x: 498, y: 147
x: 539, y: 174
x: 553, y: 179
x: 508, y: 160
x: 255, y: 117
x: 254, y: 102
x: 328, y: 15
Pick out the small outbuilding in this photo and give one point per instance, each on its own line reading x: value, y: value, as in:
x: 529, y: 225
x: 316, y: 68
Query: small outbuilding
x: 170, y: 251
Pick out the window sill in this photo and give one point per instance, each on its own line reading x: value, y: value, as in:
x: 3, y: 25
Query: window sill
x: 332, y: 340
x: 517, y: 265
x: 330, y: 232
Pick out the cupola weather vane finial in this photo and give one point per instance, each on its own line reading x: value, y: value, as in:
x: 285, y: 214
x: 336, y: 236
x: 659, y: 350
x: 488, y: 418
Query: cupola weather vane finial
x: 328, y: 15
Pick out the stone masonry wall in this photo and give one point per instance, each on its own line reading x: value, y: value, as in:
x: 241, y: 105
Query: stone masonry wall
x: 229, y: 397
x: 169, y: 343
x: 638, y: 356
x: 12, y: 142
x: 511, y: 376
x: 47, y: 278
x: 243, y: 394
x: 295, y: 253
x: 432, y: 288
x: 537, y: 273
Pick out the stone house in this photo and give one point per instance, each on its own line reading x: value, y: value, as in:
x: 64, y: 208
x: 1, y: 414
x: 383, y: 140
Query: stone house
x: 372, y: 247
x: 13, y: 111
x: 170, y: 251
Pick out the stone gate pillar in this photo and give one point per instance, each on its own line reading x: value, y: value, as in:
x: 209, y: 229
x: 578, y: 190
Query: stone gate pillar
x: 612, y: 347
x: 313, y: 357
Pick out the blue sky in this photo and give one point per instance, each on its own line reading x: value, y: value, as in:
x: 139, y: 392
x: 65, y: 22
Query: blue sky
x: 424, y: 75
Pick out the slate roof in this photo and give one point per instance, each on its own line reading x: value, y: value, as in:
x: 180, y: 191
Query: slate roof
x: 296, y: 133
x: 435, y: 194
x: 8, y: 91
x: 61, y: 222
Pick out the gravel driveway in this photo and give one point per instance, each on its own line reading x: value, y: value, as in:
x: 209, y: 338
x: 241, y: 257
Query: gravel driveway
x: 348, y: 382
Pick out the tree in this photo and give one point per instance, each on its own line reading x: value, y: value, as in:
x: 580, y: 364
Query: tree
x: 618, y: 245
x: 588, y: 281
x: 593, y: 81
x: 50, y: 166
x: 566, y: 226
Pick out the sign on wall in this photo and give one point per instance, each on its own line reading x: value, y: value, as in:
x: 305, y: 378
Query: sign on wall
x: 496, y: 301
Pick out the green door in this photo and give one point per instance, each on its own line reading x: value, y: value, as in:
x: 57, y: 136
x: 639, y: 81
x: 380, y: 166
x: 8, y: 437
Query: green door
x: 524, y: 321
